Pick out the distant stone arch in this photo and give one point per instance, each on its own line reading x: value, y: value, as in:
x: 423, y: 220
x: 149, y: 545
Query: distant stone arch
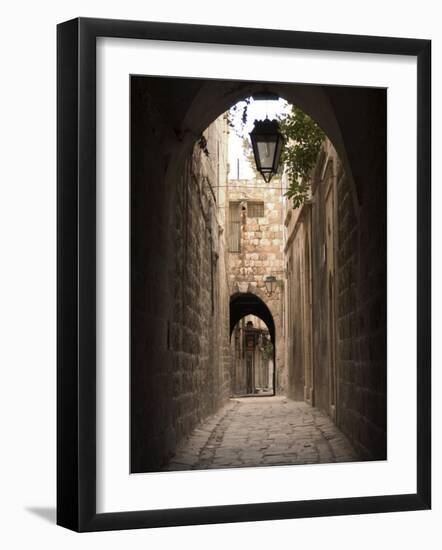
x: 249, y: 303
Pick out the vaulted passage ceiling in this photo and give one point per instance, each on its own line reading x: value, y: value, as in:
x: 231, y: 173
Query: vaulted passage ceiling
x: 353, y: 118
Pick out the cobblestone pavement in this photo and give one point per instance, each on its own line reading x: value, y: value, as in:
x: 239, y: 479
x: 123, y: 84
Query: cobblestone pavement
x: 259, y: 431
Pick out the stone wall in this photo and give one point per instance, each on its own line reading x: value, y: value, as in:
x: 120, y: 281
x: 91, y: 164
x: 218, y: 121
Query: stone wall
x: 260, y: 254
x: 336, y: 302
x: 299, y: 305
x: 179, y: 289
x: 362, y: 286
x: 199, y: 331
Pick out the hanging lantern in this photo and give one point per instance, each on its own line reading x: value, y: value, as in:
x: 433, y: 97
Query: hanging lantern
x: 267, y: 142
x: 270, y: 282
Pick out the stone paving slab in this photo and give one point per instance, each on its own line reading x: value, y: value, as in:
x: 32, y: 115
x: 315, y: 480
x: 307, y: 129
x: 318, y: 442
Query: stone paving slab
x: 263, y: 431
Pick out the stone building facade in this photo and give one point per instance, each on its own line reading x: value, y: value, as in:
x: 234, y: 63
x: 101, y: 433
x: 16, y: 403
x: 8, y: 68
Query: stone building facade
x: 255, y: 250
x: 336, y: 304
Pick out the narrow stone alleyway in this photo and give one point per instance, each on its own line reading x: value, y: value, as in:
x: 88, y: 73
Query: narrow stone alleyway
x: 260, y: 431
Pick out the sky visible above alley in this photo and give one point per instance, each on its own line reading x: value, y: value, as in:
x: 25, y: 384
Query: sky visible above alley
x: 257, y: 110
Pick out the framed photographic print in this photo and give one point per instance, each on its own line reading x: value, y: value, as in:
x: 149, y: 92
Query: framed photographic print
x: 242, y: 216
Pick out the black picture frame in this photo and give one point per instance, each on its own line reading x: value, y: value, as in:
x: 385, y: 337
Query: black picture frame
x: 76, y: 274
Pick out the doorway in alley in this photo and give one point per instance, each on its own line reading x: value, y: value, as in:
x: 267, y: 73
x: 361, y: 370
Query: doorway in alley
x: 252, y: 344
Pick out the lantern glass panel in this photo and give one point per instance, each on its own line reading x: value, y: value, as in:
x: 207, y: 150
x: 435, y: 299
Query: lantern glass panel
x: 266, y: 153
x: 270, y: 283
x: 279, y: 144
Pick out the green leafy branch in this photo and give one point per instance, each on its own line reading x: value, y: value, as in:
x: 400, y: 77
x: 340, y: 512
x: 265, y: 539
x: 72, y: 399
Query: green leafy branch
x: 303, y: 140
x: 267, y: 348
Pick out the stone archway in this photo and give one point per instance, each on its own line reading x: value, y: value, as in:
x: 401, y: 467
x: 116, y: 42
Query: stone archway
x: 170, y: 324
x: 214, y: 98
x: 243, y: 304
x: 248, y: 303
